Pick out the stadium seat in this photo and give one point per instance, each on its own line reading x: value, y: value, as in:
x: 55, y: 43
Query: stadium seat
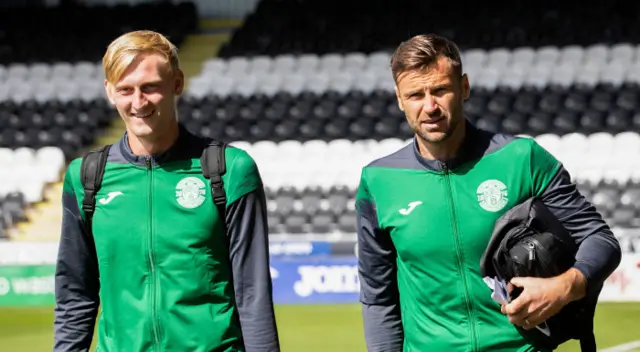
x: 382, y: 26
x: 80, y: 33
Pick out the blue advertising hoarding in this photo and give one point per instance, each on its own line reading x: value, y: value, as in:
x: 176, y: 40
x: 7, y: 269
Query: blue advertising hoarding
x: 299, y: 248
x: 315, y: 280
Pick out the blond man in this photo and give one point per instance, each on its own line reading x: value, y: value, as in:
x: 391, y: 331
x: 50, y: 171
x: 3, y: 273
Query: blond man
x: 176, y: 257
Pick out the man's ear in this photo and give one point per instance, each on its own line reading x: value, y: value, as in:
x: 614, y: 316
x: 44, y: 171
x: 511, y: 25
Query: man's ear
x: 179, y: 82
x: 466, y: 88
x: 109, y: 89
x: 399, y: 100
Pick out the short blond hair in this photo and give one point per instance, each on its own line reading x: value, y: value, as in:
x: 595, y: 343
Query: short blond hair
x: 123, y: 50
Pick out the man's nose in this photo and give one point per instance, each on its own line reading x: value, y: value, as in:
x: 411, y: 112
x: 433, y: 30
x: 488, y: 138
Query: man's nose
x: 139, y: 100
x: 429, y: 105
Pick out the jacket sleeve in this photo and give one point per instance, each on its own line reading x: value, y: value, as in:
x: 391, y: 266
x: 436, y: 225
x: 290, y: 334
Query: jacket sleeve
x: 249, y: 251
x: 599, y: 252
x: 76, y: 280
x: 378, y: 284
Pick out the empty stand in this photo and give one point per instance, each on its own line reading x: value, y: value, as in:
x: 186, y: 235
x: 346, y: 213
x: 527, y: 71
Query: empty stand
x: 311, y: 185
x: 313, y: 120
x: 52, y: 99
x: 299, y: 27
x: 81, y: 33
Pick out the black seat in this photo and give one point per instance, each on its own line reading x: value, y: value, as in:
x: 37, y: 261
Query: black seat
x: 593, y: 121
x: 284, y: 204
x: 623, y: 216
x: 605, y: 199
x: 295, y: 223
x: 321, y: 223
x: 14, y: 206
x: 618, y: 120
x: 275, y: 224
x: 514, y: 123
x: 347, y: 223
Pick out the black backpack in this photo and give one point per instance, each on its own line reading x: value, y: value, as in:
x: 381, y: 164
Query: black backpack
x: 528, y: 240
x: 93, y: 165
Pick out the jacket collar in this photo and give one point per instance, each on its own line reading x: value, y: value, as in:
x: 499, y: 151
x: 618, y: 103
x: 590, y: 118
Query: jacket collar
x: 156, y: 159
x: 472, y: 147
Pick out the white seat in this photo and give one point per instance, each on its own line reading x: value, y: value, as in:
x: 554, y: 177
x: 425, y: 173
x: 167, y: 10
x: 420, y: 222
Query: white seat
x: 24, y: 156
x: 62, y: 69
x: 574, y: 141
x: 563, y: 75
x: 28, y: 180
x: 39, y: 70
x: 474, y: 57
x: 243, y: 145
x: 523, y: 57
x: 21, y: 92
x: 246, y: 85
x: 588, y: 75
x: 269, y: 84
x: 341, y: 82
x: 626, y: 141
x: 596, y: 53
x: 6, y: 158
x: 623, y: 53
x: 366, y: 82
x: 199, y: 87
x: 538, y: 76
x: 85, y: 69
x: 315, y: 147
x: 295, y: 83
x: 547, y: 55
x: 379, y: 59
x: 331, y: 62
x: 599, y: 149
x: 340, y: 148
x: 290, y: 148
x: 265, y: 147
x: 222, y: 85
x: 385, y: 82
x: 550, y: 142
x: 613, y: 73
x: 66, y: 90
x: 317, y: 83
x: 633, y: 73
x: 45, y: 91
x: 572, y: 55
x: 355, y: 61
x: 215, y: 65
x: 284, y: 63
x: 391, y: 145
x: 52, y: 161
x: 308, y: 63
x: 17, y: 71
x: 499, y: 58
x: 260, y: 64
x: 237, y: 66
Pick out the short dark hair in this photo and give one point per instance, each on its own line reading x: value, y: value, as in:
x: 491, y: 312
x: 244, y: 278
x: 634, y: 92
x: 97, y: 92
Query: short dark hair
x: 423, y: 50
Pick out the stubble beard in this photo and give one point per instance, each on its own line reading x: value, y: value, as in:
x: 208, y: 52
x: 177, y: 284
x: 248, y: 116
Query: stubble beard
x: 441, y: 138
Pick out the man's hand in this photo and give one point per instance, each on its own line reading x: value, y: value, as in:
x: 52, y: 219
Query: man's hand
x: 543, y: 298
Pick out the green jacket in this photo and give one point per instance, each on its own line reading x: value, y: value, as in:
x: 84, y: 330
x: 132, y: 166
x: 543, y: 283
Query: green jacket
x: 167, y: 276
x: 424, y: 224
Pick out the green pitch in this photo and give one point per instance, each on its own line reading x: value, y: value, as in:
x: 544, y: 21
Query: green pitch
x: 312, y: 328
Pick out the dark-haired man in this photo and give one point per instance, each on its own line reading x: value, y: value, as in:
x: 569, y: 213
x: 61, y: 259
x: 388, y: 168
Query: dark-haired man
x: 426, y: 212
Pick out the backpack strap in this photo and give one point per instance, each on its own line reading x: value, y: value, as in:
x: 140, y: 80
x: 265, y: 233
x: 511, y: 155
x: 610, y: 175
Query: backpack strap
x: 91, y: 173
x: 214, y: 166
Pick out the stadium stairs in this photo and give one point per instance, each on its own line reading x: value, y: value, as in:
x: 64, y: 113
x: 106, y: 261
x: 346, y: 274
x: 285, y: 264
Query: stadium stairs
x: 45, y: 218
